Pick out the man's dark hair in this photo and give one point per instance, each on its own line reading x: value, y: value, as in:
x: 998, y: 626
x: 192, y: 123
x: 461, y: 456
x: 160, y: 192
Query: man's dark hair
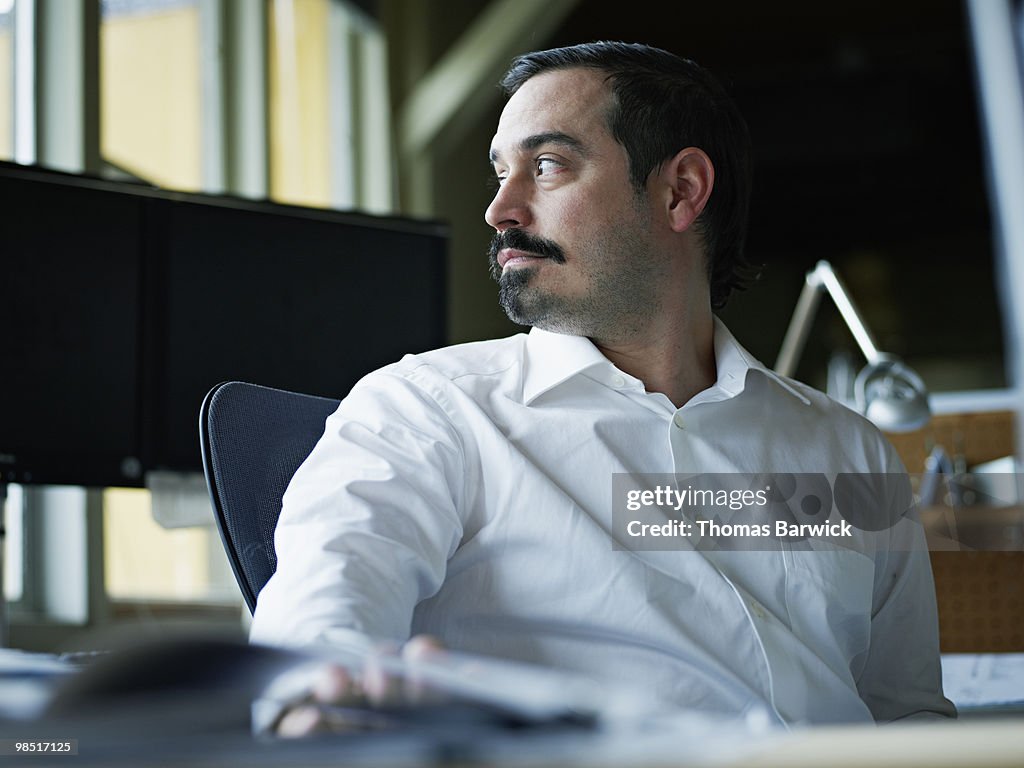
x: 661, y: 104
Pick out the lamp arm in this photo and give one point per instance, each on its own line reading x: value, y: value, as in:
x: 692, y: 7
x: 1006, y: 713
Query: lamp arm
x: 837, y: 290
x: 799, y: 328
x: 822, y: 278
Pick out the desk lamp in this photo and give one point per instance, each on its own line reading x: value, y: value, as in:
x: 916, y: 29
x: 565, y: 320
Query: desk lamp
x: 886, y: 391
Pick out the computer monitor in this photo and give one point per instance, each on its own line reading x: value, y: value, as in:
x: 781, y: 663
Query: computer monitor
x: 70, y: 400
x: 121, y: 305
x: 286, y: 297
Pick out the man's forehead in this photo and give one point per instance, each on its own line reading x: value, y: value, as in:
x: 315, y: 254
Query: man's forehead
x: 570, y: 102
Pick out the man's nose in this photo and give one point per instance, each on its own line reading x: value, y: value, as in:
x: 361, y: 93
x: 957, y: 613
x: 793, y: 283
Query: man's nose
x: 509, y: 208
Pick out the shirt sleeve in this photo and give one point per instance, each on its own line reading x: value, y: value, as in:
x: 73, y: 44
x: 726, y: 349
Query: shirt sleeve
x: 902, y: 676
x: 368, y: 522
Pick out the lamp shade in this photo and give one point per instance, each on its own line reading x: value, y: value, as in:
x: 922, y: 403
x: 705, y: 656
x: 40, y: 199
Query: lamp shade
x: 892, y: 396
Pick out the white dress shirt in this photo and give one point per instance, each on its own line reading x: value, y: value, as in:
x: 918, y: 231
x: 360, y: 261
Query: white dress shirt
x: 467, y: 493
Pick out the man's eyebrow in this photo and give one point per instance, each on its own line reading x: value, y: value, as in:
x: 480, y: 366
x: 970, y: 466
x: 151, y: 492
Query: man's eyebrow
x: 548, y: 137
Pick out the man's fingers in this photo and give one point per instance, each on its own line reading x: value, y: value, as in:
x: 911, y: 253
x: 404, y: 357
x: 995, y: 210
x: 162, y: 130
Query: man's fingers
x: 330, y: 685
x: 375, y: 685
x: 384, y: 688
x: 421, y: 647
x: 381, y: 686
x: 301, y: 720
x: 335, y: 685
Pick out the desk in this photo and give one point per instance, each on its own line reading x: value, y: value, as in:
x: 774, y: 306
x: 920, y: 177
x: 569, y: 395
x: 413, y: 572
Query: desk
x: 970, y: 744
x: 210, y: 728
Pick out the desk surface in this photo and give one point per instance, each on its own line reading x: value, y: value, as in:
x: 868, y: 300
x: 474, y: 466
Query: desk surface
x: 970, y: 744
x: 202, y: 731
x: 962, y: 744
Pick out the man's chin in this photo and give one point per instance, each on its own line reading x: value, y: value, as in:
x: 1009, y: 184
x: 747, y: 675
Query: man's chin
x: 522, y: 304
x: 530, y: 308
x: 516, y: 311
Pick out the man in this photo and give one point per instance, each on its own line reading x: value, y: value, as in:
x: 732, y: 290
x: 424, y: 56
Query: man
x: 465, y: 493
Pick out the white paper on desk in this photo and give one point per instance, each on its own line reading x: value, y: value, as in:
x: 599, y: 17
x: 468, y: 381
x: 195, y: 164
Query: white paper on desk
x: 25, y: 663
x: 27, y: 681
x: 983, y: 679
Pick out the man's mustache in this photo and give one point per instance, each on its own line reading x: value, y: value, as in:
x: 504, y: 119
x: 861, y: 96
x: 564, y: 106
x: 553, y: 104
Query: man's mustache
x: 519, y: 240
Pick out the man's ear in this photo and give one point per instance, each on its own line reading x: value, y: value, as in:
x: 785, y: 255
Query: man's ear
x: 686, y: 179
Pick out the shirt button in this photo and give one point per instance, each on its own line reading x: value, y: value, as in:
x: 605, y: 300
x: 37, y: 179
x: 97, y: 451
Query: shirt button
x: 618, y: 382
x: 678, y: 420
x: 758, y: 610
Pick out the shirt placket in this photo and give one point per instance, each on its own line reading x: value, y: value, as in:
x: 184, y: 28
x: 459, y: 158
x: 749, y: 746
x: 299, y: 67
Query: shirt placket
x: 684, y: 441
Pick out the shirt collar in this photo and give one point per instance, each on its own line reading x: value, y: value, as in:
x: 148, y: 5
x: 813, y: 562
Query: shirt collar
x: 553, y: 358
x: 735, y: 363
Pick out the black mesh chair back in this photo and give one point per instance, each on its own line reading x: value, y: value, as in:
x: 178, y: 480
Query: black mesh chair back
x: 253, y: 439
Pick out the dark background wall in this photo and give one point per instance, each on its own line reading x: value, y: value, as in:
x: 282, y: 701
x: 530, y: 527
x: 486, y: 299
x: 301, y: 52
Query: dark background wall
x: 867, y: 154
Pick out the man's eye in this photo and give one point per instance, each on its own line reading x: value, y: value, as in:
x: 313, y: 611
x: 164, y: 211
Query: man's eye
x: 547, y: 165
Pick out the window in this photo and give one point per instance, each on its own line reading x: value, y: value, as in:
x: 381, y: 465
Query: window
x: 13, y: 570
x: 328, y: 96
x: 150, y: 90
x: 299, y: 114
x: 144, y: 561
x: 6, y: 79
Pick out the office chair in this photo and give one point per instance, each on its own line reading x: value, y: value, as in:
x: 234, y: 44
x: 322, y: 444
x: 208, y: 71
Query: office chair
x: 253, y: 439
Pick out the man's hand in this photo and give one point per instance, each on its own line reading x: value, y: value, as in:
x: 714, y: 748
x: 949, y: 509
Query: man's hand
x: 335, y: 686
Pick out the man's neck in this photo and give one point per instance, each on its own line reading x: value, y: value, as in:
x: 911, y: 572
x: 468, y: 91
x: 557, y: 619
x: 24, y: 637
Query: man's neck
x: 677, y: 360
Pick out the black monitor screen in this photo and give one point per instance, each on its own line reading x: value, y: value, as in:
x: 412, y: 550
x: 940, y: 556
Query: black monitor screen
x: 69, y: 314
x: 122, y: 305
x: 288, y: 299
